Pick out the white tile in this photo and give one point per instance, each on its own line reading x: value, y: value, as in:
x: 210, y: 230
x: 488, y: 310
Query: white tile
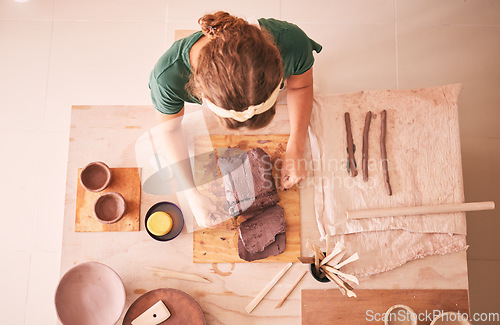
x: 105, y: 63
x: 193, y: 10
x: 446, y: 12
x: 24, y: 62
x: 20, y: 165
x: 123, y: 10
x: 339, y: 11
x: 47, y: 236
x: 354, y: 57
x: 437, y: 55
x: 32, y: 10
x: 43, y: 281
x: 14, y: 287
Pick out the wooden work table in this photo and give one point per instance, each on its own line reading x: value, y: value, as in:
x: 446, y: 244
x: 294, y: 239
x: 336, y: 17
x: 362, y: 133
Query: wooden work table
x: 109, y: 134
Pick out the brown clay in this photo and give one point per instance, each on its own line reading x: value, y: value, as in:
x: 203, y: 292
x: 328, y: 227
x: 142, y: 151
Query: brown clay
x: 350, y: 145
x: 366, y: 129
x: 383, y: 152
x: 95, y: 177
x: 109, y: 207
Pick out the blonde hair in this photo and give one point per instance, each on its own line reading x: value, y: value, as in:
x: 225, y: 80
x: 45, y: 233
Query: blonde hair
x: 240, y: 66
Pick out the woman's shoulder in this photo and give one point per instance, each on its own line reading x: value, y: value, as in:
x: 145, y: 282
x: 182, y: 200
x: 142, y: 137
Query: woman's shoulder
x: 293, y: 43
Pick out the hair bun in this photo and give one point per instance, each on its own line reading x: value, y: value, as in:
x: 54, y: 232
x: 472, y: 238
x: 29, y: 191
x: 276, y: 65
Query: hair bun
x: 212, y: 25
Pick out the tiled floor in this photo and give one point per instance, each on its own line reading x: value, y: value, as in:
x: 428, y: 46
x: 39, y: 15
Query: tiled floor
x: 55, y: 53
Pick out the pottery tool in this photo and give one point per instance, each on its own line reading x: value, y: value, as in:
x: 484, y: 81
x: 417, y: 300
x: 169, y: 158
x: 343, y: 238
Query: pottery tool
x: 383, y: 152
x: 178, y: 275
x: 416, y: 210
x: 350, y: 145
x: 340, y: 283
x: 291, y: 289
x: 159, y: 223
x: 351, y: 259
x: 366, y: 129
x: 251, y: 306
x: 348, y: 277
x: 306, y: 259
x: 154, y: 315
x: 339, y: 247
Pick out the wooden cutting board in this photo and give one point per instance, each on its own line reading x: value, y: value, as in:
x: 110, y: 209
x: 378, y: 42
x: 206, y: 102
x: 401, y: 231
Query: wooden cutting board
x: 125, y: 181
x: 220, y: 244
x: 331, y: 307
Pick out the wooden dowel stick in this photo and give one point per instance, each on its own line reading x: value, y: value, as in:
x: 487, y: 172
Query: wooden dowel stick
x: 291, y: 289
x: 416, y: 210
x: 178, y: 275
x: 251, y: 306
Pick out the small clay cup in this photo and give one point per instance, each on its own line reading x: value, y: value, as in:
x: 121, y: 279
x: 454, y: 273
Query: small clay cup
x: 109, y: 207
x: 95, y: 177
x: 400, y: 315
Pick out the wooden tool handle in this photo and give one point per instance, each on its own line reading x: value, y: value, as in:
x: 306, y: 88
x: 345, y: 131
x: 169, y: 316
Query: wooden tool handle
x: 266, y: 289
x: 415, y: 210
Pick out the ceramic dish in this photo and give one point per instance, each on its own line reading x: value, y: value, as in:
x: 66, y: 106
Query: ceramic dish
x: 90, y: 294
x: 182, y: 307
x: 177, y: 219
x: 400, y: 315
x: 95, y: 177
x: 312, y: 270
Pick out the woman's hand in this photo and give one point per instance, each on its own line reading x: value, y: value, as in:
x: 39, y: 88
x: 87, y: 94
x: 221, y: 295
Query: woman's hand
x: 206, y: 213
x: 293, y: 169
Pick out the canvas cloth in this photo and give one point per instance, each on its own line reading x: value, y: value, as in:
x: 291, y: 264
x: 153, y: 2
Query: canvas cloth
x: 424, y: 159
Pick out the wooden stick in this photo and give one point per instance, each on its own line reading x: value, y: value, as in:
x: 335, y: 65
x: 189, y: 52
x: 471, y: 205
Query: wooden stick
x: 291, y: 289
x: 416, y: 210
x: 366, y: 129
x: 328, y: 245
x: 351, y: 259
x: 346, y: 276
x: 316, y: 258
x: 383, y: 152
x: 337, y: 250
x: 178, y: 275
x: 251, y: 306
x: 350, y: 145
x: 334, y: 261
x: 306, y: 259
x: 340, y: 283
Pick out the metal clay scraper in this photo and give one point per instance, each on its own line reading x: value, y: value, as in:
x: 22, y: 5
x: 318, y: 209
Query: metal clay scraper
x: 154, y: 315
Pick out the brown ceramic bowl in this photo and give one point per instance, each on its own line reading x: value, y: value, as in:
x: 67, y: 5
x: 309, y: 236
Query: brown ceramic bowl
x: 90, y: 294
x: 109, y: 207
x: 95, y: 177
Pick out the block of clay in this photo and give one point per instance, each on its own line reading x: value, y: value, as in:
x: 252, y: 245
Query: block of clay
x: 248, y: 181
x: 260, y: 231
x: 275, y: 248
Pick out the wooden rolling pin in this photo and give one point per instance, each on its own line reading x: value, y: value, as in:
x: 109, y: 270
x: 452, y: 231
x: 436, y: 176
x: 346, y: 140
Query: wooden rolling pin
x: 415, y: 210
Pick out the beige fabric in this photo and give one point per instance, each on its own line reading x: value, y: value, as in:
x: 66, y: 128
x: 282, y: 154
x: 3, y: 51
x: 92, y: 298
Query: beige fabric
x: 423, y: 150
x: 386, y: 250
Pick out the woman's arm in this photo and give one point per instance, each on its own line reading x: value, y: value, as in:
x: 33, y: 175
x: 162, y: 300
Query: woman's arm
x: 300, y: 102
x: 173, y: 144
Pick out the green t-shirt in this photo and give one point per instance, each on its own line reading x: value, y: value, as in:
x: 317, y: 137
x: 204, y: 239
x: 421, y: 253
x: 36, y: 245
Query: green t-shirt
x: 173, y: 70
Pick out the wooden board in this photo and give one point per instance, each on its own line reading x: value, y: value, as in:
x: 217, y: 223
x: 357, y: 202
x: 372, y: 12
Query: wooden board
x: 331, y: 307
x: 220, y: 244
x: 125, y: 181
